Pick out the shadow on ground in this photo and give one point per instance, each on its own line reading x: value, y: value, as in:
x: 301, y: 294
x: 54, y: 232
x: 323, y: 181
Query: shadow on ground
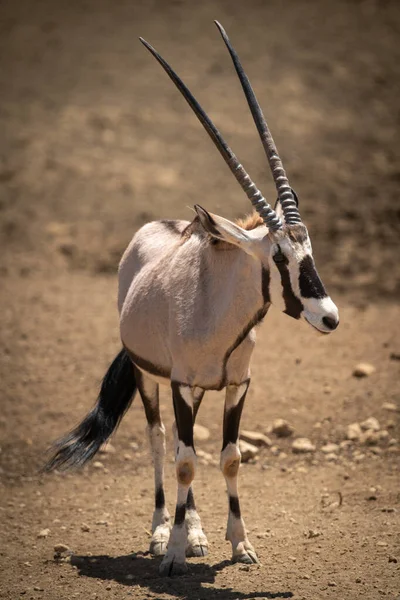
x: 142, y: 570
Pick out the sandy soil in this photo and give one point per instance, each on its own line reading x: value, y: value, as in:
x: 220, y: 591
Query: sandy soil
x: 95, y: 142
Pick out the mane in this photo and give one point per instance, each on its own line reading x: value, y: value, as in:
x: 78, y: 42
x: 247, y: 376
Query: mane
x: 251, y: 221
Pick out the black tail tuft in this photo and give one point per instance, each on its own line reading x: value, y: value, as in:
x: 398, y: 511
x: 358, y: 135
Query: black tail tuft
x: 116, y: 394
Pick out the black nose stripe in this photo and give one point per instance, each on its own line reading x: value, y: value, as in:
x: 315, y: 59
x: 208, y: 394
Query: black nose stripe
x: 330, y: 323
x: 309, y: 282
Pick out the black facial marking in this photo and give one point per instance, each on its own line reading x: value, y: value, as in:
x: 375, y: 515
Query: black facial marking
x: 234, y: 506
x: 180, y: 514
x: 310, y: 284
x: 293, y: 305
x: 190, y: 503
x: 265, y: 281
x: 232, y: 421
x: 183, y: 416
x: 160, y: 498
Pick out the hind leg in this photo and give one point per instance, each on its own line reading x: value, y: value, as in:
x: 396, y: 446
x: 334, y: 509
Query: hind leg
x: 161, y: 525
x: 197, y: 543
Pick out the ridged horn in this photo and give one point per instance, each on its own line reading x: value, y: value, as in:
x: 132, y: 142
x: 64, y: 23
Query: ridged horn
x: 267, y: 213
x: 285, y: 193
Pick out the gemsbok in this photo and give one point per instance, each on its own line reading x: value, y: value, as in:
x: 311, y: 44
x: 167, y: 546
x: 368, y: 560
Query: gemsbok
x: 190, y: 296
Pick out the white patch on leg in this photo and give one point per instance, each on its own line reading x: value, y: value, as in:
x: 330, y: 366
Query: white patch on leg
x: 174, y: 562
x: 197, y: 543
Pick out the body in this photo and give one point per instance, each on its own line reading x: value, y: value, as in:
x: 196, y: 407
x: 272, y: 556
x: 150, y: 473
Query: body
x: 190, y: 295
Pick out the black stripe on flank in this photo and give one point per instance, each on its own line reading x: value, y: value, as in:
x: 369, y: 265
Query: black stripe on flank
x: 180, y: 512
x: 160, y: 498
x: 310, y: 284
x: 293, y: 305
x: 234, y: 506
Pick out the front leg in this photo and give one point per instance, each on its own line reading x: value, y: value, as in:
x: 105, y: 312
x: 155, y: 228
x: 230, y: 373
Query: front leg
x: 242, y: 550
x: 174, y: 562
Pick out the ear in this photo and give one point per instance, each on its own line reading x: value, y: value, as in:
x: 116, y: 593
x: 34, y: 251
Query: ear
x: 278, y: 206
x: 225, y: 230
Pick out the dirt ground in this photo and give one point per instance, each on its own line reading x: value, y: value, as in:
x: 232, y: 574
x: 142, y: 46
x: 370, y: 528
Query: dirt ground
x: 95, y: 141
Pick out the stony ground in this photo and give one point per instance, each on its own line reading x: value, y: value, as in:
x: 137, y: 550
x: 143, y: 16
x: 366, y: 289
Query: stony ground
x: 95, y: 142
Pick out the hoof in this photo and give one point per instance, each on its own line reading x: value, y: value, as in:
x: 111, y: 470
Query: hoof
x: 196, y: 550
x: 159, y: 540
x: 158, y: 548
x: 248, y: 558
x: 170, y: 567
x: 197, y: 544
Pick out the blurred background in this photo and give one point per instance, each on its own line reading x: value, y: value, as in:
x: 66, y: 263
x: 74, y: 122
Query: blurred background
x: 95, y: 139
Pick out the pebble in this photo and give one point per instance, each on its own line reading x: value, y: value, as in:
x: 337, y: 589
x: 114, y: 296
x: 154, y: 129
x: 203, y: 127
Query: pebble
x: 370, y: 424
x: 275, y: 450
x: 312, y: 534
x: 363, y: 370
x: 127, y: 456
x: 329, y: 448
x: 332, y: 583
x: 247, y: 450
x: 85, y: 527
x: 98, y: 465
x: 331, y: 457
x: 205, y: 457
x: 353, y: 431
x: 382, y: 544
x: 390, y: 406
x: 282, y: 428
x: 134, y: 446
x: 392, y: 559
x: 201, y: 433
x: 60, y: 548
x: 43, y: 533
x: 302, y: 445
x: 256, y: 438
x: 345, y: 444
x: 370, y: 438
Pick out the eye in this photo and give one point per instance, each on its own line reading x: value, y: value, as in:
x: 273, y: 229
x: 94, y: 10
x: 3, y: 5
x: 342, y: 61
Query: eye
x: 279, y: 257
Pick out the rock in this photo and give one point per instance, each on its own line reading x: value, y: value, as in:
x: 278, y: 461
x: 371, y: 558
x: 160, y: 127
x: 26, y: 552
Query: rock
x: 390, y: 406
x: 370, y: 438
x: 275, y: 450
x: 363, y: 370
x: 205, y: 457
x: 282, y: 428
x: 392, y: 559
x: 331, y: 457
x: 43, y: 533
x: 85, y: 527
x: 107, y: 449
x: 370, y: 423
x: 98, y: 465
x: 134, y: 446
x: 394, y: 356
x: 353, y: 431
x: 345, y: 444
x: 382, y: 544
x: 127, y: 456
x: 301, y: 445
x: 201, y: 433
x: 329, y: 448
x: 255, y: 438
x: 247, y: 450
x: 61, y: 548
x: 392, y: 442
x: 332, y: 583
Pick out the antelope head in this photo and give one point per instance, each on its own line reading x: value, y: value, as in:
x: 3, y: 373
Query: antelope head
x: 281, y: 243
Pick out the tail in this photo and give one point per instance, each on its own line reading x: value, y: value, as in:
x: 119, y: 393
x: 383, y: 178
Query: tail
x: 116, y: 394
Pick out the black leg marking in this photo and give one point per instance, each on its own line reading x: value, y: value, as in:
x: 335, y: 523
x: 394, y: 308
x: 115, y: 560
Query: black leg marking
x: 234, y: 506
x: 180, y: 512
x: 160, y: 498
x: 183, y: 416
x: 232, y: 420
x: 151, y: 404
x: 190, y: 503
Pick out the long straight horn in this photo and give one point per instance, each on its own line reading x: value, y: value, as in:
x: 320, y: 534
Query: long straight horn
x: 285, y: 194
x: 268, y: 214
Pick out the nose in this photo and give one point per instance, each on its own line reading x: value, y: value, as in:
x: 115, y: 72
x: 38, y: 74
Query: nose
x: 330, y: 322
